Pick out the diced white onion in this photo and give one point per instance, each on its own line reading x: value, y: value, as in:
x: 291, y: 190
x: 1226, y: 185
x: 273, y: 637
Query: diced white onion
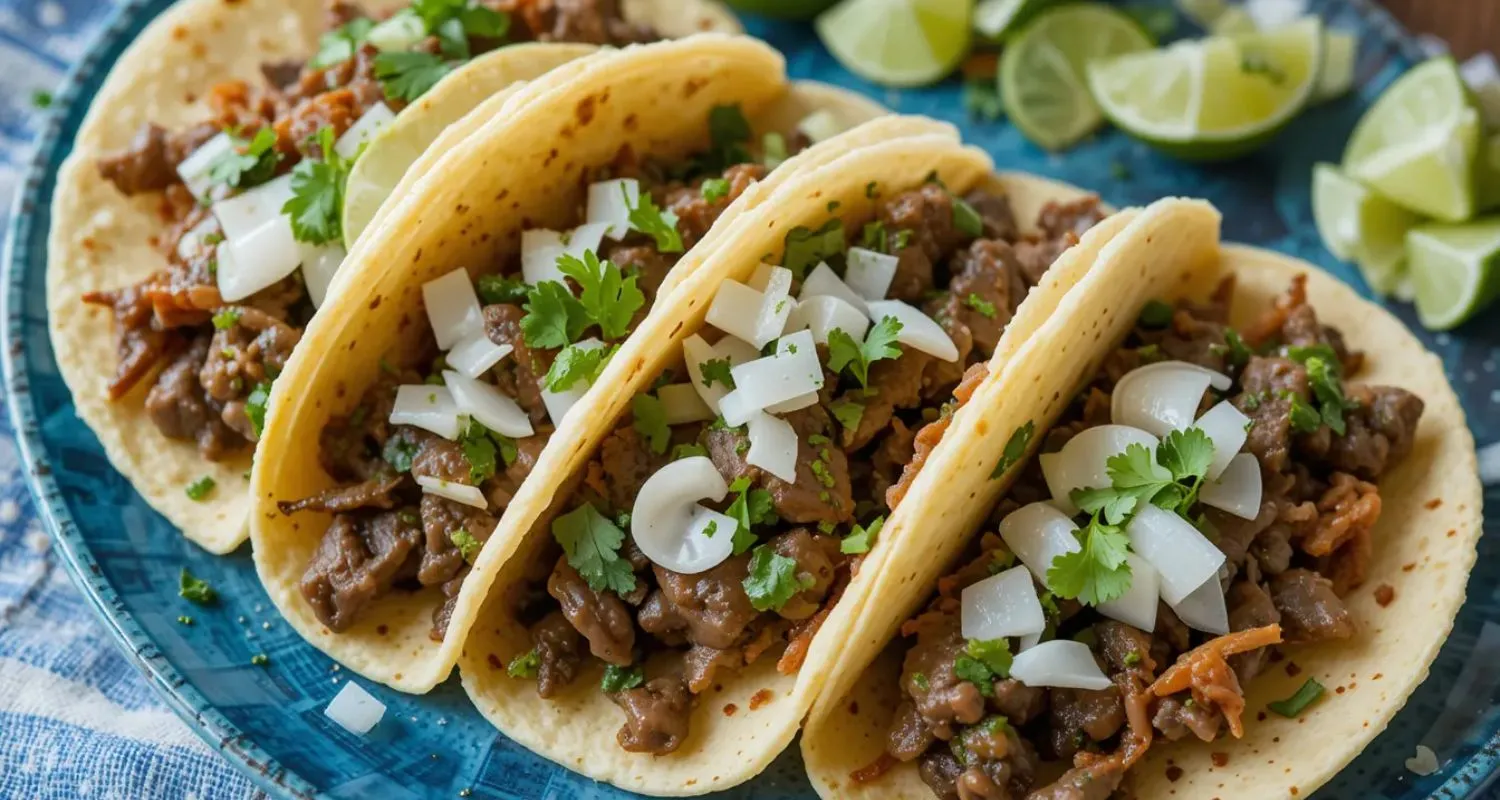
x: 870, y: 273
x: 1137, y: 607
x: 457, y: 492
x: 1029, y: 641
x: 823, y: 313
x: 669, y: 525
x: 492, y: 408
x: 400, y: 32
x: 586, y: 239
x: 773, y: 446
x: 427, y: 407
x: 609, y: 203
x: 1184, y: 557
x: 354, y: 709
x: 194, y: 169
x: 682, y: 404
x: 695, y: 353
x: 820, y: 125
x: 1204, y: 609
x: 364, y: 130
x: 319, y: 264
x: 1063, y: 663
x: 795, y: 404
x: 776, y: 305
x: 1038, y: 533
x: 793, y: 372
x: 540, y: 249
x: 917, y: 329
x: 761, y: 277
x: 250, y: 210
x: 1082, y: 462
x: 1002, y: 605
x: 1227, y: 428
x: 1272, y: 14
x: 1237, y: 490
x: 253, y: 261
x: 737, y: 408
x: 735, y: 310
x: 560, y: 403
x: 824, y: 281
x: 475, y: 355
x: 1163, y: 397
x: 453, y: 308
x: 192, y: 241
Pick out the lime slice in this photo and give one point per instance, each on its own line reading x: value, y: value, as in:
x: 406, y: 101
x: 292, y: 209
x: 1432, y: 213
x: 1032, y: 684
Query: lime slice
x: 996, y: 18
x: 782, y: 9
x: 898, y: 42
x: 1042, y: 68
x: 1489, y: 174
x: 1336, y: 78
x: 1418, y: 143
x: 1361, y: 226
x: 1454, y: 270
x: 1214, y: 98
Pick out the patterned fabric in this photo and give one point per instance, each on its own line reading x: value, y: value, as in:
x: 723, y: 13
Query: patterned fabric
x: 78, y: 719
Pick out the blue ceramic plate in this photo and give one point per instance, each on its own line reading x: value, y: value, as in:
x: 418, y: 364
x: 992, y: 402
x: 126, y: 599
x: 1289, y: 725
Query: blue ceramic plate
x: 269, y: 720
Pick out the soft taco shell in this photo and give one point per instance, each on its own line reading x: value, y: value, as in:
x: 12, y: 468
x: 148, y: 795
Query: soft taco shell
x: 1430, y: 519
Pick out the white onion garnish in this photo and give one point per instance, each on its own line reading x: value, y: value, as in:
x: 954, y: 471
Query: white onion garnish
x: 681, y: 404
x: 1029, y: 641
x: 1238, y: 489
x: 1038, y: 533
x: 250, y: 210
x: 795, y: 404
x: 319, y: 264
x: 870, y: 273
x: 253, y: 261
x: 791, y: 373
x: 540, y: 249
x: 430, y: 408
x: 488, y: 405
x: 194, y: 170
x: 457, y: 492
x: 453, y: 308
x: 1183, y: 556
x: 354, y: 709
x: 1228, y: 429
x: 669, y: 525
x: 1082, y: 462
x: 1001, y: 605
x: 1204, y: 609
x: 560, y: 403
x: 401, y: 32
x: 475, y: 355
x: 695, y: 353
x: 776, y: 305
x: 192, y: 241
x: 736, y: 311
x: 1163, y: 397
x: 820, y: 125
x: 823, y: 280
x: 917, y: 329
x: 586, y: 239
x: 823, y: 313
x: 773, y: 446
x: 364, y: 130
x: 610, y: 203
x: 1137, y: 607
x: 1063, y: 663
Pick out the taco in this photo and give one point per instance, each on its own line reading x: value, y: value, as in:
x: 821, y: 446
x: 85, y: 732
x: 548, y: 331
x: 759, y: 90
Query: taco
x: 483, y: 309
x: 705, y: 535
x: 177, y: 285
x: 1242, y: 541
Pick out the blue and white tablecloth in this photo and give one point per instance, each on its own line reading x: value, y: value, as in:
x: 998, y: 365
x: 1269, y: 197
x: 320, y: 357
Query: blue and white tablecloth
x: 76, y: 720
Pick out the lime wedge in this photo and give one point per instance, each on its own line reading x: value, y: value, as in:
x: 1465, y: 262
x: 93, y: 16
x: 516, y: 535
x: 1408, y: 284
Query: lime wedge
x: 1042, y: 70
x: 1214, y: 98
x: 898, y: 42
x: 996, y: 18
x: 1203, y: 13
x: 1340, y: 48
x: 1489, y: 174
x: 1454, y: 270
x: 1361, y: 226
x: 1418, y: 143
x: 1233, y: 20
x: 782, y: 9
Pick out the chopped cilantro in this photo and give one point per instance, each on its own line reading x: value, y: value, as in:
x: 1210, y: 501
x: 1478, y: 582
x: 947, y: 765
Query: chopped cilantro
x: 773, y: 150
x: 479, y: 450
x: 688, y: 450
x: 250, y: 162
x: 194, y: 589
x: 467, y: 545
x: 1305, y: 696
x: 730, y: 132
x: 716, y: 369
x: 919, y: 680
x: 592, y: 543
x: 574, y: 364
x: 525, y: 665
x: 255, y: 406
x: 554, y: 317
x: 199, y: 489
x: 499, y: 289
x: 1170, y: 479
x: 862, y: 537
x: 659, y: 224
x: 1238, y: 353
x: 715, y: 189
x: 1155, y: 314
x: 650, y: 421
x: 608, y: 297
x: 751, y: 507
x: 966, y: 218
x: 454, y: 21
x: 773, y: 580
x: 1132, y: 658
x: 1015, y: 448
x: 1096, y: 573
x: 880, y: 343
x: 994, y: 654
x: 341, y: 43
x: 806, y: 247
x: 317, y: 202
x: 848, y: 413
x: 1323, y: 375
x: 408, y: 76
x: 984, y: 307
x: 619, y: 679
x: 226, y: 318
x: 971, y: 669
x: 41, y: 99
x: 399, y: 452
x: 1305, y: 418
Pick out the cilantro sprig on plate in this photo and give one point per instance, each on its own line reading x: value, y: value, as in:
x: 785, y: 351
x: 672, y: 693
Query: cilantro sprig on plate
x: 879, y: 343
x: 249, y: 162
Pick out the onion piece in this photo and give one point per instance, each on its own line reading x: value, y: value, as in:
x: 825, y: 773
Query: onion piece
x: 792, y: 372
x: 823, y: 313
x: 917, y: 329
x: 682, y: 404
x: 194, y: 170
x: 1204, y: 608
x: 257, y: 260
x: 695, y: 353
x: 586, y: 239
x: 1028, y: 641
x: 451, y: 490
x: 669, y: 525
x: 1162, y: 397
x: 430, y: 408
x: 610, y: 202
x: 354, y: 709
x: 1038, y: 533
x: 453, y: 308
x: 824, y: 281
x: 735, y: 310
x: 773, y: 446
x: 364, y: 130
x: 1063, y: 663
x: 192, y: 241
x: 319, y: 264
x: 776, y: 305
x: 401, y: 32
x: 1137, y: 607
x: 820, y: 125
x: 475, y: 355
x: 1000, y: 606
x: 540, y: 249
x: 870, y: 273
x: 1228, y: 429
x: 249, y: 211
x: 1238, y: 489
x: 488, y: 405
x: 1081, y: 464
x: 1184, y: 557
x: 560, y: 403
x: 797, y: 403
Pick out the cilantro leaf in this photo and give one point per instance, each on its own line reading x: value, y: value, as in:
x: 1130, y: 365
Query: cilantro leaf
x: 1238, y: 353
x: 971, y: 669
x: 525, y: 665
x: 479, y: 451
x: 773, y: 580
x: 862, y: 537
x: 341, y: 43
x: 1302, y: 354
x: 467, y: 545
x: 399, y: 452
x: 966, y: 218
x: 994, y: 654
x: 1155, y: 314
x: 554, y: 317
x: 1332, y: 404
x: 879, y: 343
x: 688, y: 450
x: 608, y: 297
x: 592, y: 544
x: 408, y: 76
x: 199, y: 489
x: 255, y: 406
x: 751, y: 507
x: 660, y: 225
x: 980, y: 305
x: 1134, y: 476
x: 1305, y: 418
x: 574, y: 364
x: 650, y: 421
x: 714, y: 190
x: 619, y: 679
x: 317, y: 202
x: 1187, y: 454
x: 730, y: 132
x: 806, y: 247
x: 1292, y: 707
x: 848, y: 413
x: 250, y: 162
x: 226, y: 318
x: 498, y: 289
x: 716, y: 369
x: 1097, y: 573
x: 1015, y: 448
x: 194, y: 589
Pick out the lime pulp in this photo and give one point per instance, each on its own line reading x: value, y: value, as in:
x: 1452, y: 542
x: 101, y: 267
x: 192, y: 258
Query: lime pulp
x: 1455, y: 270
x: 898, y: 42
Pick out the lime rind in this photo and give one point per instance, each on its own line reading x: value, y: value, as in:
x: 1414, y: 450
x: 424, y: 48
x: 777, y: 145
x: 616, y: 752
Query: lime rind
x: 1359, y: 225
x: 1455, y: 270
x: 897, y: 43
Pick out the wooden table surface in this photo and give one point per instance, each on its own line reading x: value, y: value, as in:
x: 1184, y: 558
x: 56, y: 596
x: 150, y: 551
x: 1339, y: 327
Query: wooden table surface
x: 1468, y: 25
